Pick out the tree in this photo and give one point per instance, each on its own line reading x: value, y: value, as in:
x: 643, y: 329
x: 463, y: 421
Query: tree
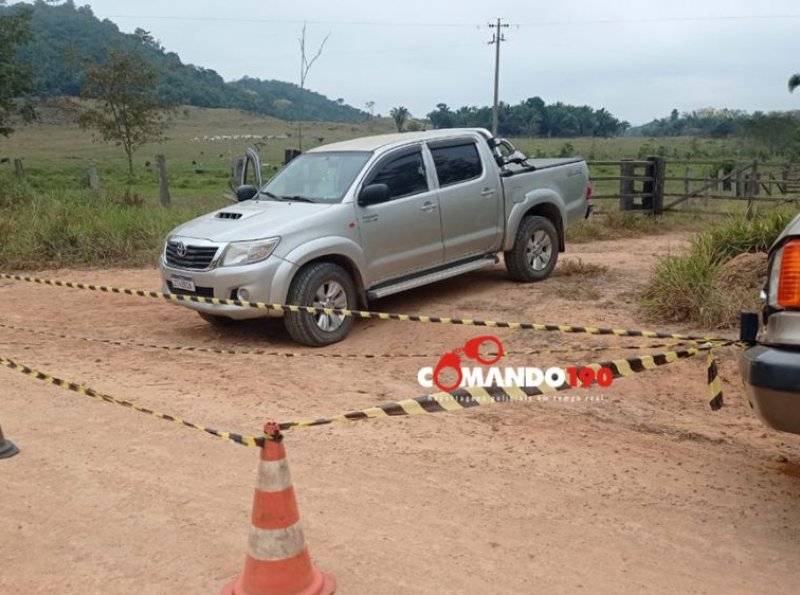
x: 305, y: 63
x: 15, y: 79
x: 124, y: 109
x: 794, y: 82
x: 399, y: 114
x: 442, y: 117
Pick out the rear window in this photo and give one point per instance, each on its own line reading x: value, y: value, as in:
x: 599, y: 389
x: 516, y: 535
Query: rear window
x: 457, y: 163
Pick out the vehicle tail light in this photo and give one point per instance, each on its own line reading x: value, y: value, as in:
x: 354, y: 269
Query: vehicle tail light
x: 789, y: 280
x: 588, y: 192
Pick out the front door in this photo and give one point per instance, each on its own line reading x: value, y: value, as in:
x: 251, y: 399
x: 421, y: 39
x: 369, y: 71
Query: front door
x: 404, y: 234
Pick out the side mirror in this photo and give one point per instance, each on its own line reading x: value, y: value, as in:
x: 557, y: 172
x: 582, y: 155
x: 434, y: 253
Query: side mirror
x: 373, y: 194
x: 246, y: 192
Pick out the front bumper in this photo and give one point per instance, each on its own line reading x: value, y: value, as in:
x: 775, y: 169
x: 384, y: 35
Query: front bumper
x: 266, y: 282
x: 772, y: 379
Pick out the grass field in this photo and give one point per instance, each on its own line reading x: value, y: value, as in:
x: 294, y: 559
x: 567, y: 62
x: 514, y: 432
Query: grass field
x: 51, y: 218
x: 56, y: 153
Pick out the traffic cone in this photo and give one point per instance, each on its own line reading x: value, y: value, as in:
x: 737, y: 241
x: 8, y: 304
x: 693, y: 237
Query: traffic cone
x: 7, y: 448
x: 277, y: 561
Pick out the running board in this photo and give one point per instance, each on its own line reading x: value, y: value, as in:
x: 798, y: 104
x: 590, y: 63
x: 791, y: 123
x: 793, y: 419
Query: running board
x: 425, y: 279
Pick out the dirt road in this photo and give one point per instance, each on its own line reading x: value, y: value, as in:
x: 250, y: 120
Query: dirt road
x: 646, y: 490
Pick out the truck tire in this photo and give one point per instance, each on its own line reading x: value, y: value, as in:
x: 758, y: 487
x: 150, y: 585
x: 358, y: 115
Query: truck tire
x: 535, y: 252
x: 326, y: 285
x: 215, y: 320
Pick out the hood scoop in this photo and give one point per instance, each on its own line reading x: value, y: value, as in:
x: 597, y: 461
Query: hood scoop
x: 229, y: 215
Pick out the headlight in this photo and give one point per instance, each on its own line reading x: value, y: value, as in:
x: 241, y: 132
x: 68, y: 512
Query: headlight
x: 164, y: 247
x: 239, y: 253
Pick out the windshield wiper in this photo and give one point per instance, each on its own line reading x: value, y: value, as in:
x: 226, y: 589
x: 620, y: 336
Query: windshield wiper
x: 269, y: 194
x: 297, y: 198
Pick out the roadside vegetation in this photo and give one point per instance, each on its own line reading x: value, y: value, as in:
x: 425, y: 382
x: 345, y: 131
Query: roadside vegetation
x: 718, y: 277
x: 72, y: 228
x: 615, y: 225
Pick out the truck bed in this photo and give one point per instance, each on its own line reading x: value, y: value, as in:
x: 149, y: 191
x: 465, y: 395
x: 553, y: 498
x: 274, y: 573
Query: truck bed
x: 539, y: 164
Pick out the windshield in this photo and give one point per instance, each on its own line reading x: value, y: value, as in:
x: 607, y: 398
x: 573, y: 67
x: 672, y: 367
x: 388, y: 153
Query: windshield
x: 317, y: 176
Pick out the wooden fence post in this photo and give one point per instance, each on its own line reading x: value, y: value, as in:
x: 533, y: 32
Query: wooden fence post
x: 163, y: 187
x: 19, y: 169
x: 627, y: 171
x: 756, y: 177
x: 654, y: 189
x: 94, y: 178
x: 750, y: 189
x: 687, y: 183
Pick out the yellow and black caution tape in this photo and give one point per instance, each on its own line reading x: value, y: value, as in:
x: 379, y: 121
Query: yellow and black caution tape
x: 562, y: 328
x: 467, y: 398
x: 87, y: 391
x: 323, y: 354
x: 464, y: 398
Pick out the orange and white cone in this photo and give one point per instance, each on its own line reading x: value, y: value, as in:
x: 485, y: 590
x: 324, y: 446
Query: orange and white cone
x: 277, y: 561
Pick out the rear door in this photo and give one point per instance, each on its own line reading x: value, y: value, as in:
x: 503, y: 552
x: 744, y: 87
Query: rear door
x: 404, y: 234
x: 469, y: 197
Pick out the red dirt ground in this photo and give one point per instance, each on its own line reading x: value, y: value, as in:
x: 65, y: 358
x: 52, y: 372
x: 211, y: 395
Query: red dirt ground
x: 645, y: 491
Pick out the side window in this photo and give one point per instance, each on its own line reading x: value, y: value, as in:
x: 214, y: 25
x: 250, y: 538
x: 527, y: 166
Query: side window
x: 457, y: 163
x: 405, y: 175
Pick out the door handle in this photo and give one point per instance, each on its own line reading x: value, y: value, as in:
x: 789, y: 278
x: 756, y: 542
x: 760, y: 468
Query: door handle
x: 428, y: 207
x: 488, y: 192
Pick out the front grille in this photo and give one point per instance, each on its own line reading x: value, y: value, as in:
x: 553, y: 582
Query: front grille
x: 196, y: 257
x: 206, y: 292
x: 229, y: 215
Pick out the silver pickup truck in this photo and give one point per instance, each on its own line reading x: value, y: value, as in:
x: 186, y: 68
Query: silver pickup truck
x: 358, y: 220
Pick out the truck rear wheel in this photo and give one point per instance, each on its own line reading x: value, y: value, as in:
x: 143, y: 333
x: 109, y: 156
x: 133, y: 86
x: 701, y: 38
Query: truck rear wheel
x: 322, y: 285
x: 535, y: 252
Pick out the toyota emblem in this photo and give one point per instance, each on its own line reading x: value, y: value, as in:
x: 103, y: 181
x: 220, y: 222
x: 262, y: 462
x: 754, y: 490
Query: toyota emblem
x: 180, y: 249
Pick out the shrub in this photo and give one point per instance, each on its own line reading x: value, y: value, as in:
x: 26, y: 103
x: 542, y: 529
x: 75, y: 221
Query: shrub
x: 692, y: 288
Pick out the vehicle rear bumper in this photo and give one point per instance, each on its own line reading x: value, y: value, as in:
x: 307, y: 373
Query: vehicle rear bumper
x: 772, y: 380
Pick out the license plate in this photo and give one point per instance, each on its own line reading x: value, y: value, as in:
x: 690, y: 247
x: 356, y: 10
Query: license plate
x: 181, y: 282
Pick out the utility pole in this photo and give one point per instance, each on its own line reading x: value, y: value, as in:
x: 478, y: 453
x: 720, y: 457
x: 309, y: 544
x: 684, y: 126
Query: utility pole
x: 497, y: 37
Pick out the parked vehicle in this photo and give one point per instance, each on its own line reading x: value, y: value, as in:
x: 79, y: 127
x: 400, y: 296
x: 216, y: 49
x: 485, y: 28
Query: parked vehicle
x: 771, y: 369
x: 358, y: 220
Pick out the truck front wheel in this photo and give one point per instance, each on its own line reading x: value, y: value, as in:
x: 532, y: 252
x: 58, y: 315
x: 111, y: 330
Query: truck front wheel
x: 535, y: 252
x: 322, y: 285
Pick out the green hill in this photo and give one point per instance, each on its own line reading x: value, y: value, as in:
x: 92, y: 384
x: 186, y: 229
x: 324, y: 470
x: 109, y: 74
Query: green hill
x: 66, y: 36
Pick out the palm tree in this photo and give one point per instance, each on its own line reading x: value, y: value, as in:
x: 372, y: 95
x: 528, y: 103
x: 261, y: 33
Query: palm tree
x: 794, y: 82
x: 399, y: 114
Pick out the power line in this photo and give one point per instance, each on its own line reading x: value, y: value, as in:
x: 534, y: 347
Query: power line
x: 753, y: 17
x: 541, y: 24
x: 288, y: 21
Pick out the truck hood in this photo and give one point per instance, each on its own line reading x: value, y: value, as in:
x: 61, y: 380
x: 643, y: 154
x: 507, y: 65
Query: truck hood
x: 250, y: 220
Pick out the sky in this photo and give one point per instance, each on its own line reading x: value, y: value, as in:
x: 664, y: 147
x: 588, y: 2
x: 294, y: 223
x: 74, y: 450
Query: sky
x: 638, y: 60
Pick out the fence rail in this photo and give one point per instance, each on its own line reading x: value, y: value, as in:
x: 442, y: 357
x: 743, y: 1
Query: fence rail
x: 643, y: 185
